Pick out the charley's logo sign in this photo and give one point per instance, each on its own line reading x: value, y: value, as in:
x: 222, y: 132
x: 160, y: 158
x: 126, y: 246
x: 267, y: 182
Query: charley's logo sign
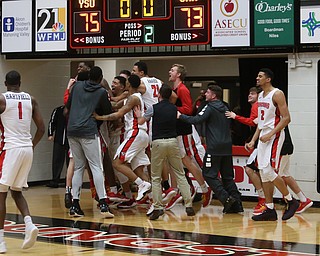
x: 263, y: 7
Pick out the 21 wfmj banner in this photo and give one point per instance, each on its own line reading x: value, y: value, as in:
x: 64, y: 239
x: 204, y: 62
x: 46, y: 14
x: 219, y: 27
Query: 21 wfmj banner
x: 51, y: 25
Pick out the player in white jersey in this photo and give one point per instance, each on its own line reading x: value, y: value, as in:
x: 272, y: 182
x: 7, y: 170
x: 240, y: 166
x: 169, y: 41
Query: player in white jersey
x: 17, y: 109
x: 132, y: 149
x: 151, y: 91
x: 149, y: 88
x: 273, y: 117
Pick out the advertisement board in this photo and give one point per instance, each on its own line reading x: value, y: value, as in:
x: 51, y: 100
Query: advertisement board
x: 273, y: 23
x: 230, y: 23
x: 51, y: 25
x: 310, y: 24
x: 16, y: 26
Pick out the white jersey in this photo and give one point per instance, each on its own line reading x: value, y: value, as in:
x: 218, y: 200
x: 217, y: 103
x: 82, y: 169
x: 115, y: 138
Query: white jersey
x: 151, y: 95
x: 268, y: 113
x: 16, y: 120
x: 131, y: 120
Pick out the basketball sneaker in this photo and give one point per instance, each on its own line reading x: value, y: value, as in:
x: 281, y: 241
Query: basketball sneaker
x: 128, y: 204
x: 261, y: 202
x: 304, y: 206
x: 258, y: 211
x: 3, y: 247
x: 193, y: 192
x: 175, y: 200
x: 206, y: 198
x: 145, y: 200
x: 104, y: 209
x: 291, y: 208
x: 68, y: 200
x: 75, y: 211
x: 190, y: 211
x: 116, y: 197
x: 31, y: 234
x: 156, y: 214
x: 267, y: 215
x: 168, y: 195
x: 150, y: 210
x: 143, y: 188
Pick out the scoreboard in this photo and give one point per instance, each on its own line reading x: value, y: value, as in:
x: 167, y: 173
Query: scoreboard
x: 125, y: 23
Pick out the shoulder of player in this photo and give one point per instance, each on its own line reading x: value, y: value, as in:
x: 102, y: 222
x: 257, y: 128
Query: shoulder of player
x: 133, y: 98
x: 278, y: 93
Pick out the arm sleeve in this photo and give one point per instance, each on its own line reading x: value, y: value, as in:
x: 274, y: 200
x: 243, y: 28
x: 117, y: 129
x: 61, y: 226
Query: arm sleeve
x: 186, y: 102
x: 66, y: 96
x: 149, y: 113
x: 68, y: 103
x: 250, y: 121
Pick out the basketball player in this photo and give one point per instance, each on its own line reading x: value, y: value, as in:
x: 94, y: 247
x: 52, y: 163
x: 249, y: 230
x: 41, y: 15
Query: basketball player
x: 251, y: 168
x: 273, y: 117
x: 177, y: 74
x: 17, y: 108
x: 132, y: 149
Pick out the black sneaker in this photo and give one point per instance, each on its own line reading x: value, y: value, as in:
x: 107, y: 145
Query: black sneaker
x: 190, y: 211
x: 267, y: 215
x: 236, y: 207
x: 68, y: 200
x: 228, y: 204
x: 291, y: 208
x: 52, y: 184
x: 104, y: 209
x: 75, y: 211
x: 156, y: 214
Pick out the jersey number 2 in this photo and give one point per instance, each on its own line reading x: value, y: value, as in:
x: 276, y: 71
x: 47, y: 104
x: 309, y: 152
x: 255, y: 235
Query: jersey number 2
x: 262, y: 115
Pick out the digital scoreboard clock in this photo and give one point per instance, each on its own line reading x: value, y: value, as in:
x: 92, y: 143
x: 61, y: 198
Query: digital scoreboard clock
x: 125, y: 23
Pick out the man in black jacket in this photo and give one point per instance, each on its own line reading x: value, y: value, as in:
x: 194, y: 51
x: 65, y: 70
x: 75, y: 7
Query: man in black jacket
x: 57, y: 133
x: 87, y: 97
x: 218, y: 155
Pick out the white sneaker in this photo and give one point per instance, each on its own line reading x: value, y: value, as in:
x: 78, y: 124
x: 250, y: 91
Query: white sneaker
x: 143, y: 188
x: 150, y: 210
x: 3, y: 247
x: 30, y: 237
x: 168, y: 195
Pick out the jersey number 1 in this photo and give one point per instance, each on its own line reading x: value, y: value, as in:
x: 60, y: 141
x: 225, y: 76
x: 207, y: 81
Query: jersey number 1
x: 20, y: 109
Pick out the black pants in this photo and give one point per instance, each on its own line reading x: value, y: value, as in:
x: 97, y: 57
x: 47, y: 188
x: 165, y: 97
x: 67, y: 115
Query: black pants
x: 224, y: 187
x: 59, y: 156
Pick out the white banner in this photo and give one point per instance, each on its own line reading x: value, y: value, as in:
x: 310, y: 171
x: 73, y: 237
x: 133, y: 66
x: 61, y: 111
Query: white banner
x: 310, y: 24
x: 51, y: 25
x: 230, y: 23
x: 16, y: 26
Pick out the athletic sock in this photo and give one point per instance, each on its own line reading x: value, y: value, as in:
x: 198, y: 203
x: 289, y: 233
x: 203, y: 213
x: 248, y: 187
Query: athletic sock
x: 302, y: 197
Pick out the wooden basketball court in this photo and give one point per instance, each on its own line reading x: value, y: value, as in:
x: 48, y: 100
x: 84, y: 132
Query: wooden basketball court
x: 210, y: 232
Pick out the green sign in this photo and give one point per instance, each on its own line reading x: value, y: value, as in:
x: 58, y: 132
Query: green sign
x: 273, y: 22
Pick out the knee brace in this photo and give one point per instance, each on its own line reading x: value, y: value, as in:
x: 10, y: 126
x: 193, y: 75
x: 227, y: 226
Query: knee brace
x: 268, y: 174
